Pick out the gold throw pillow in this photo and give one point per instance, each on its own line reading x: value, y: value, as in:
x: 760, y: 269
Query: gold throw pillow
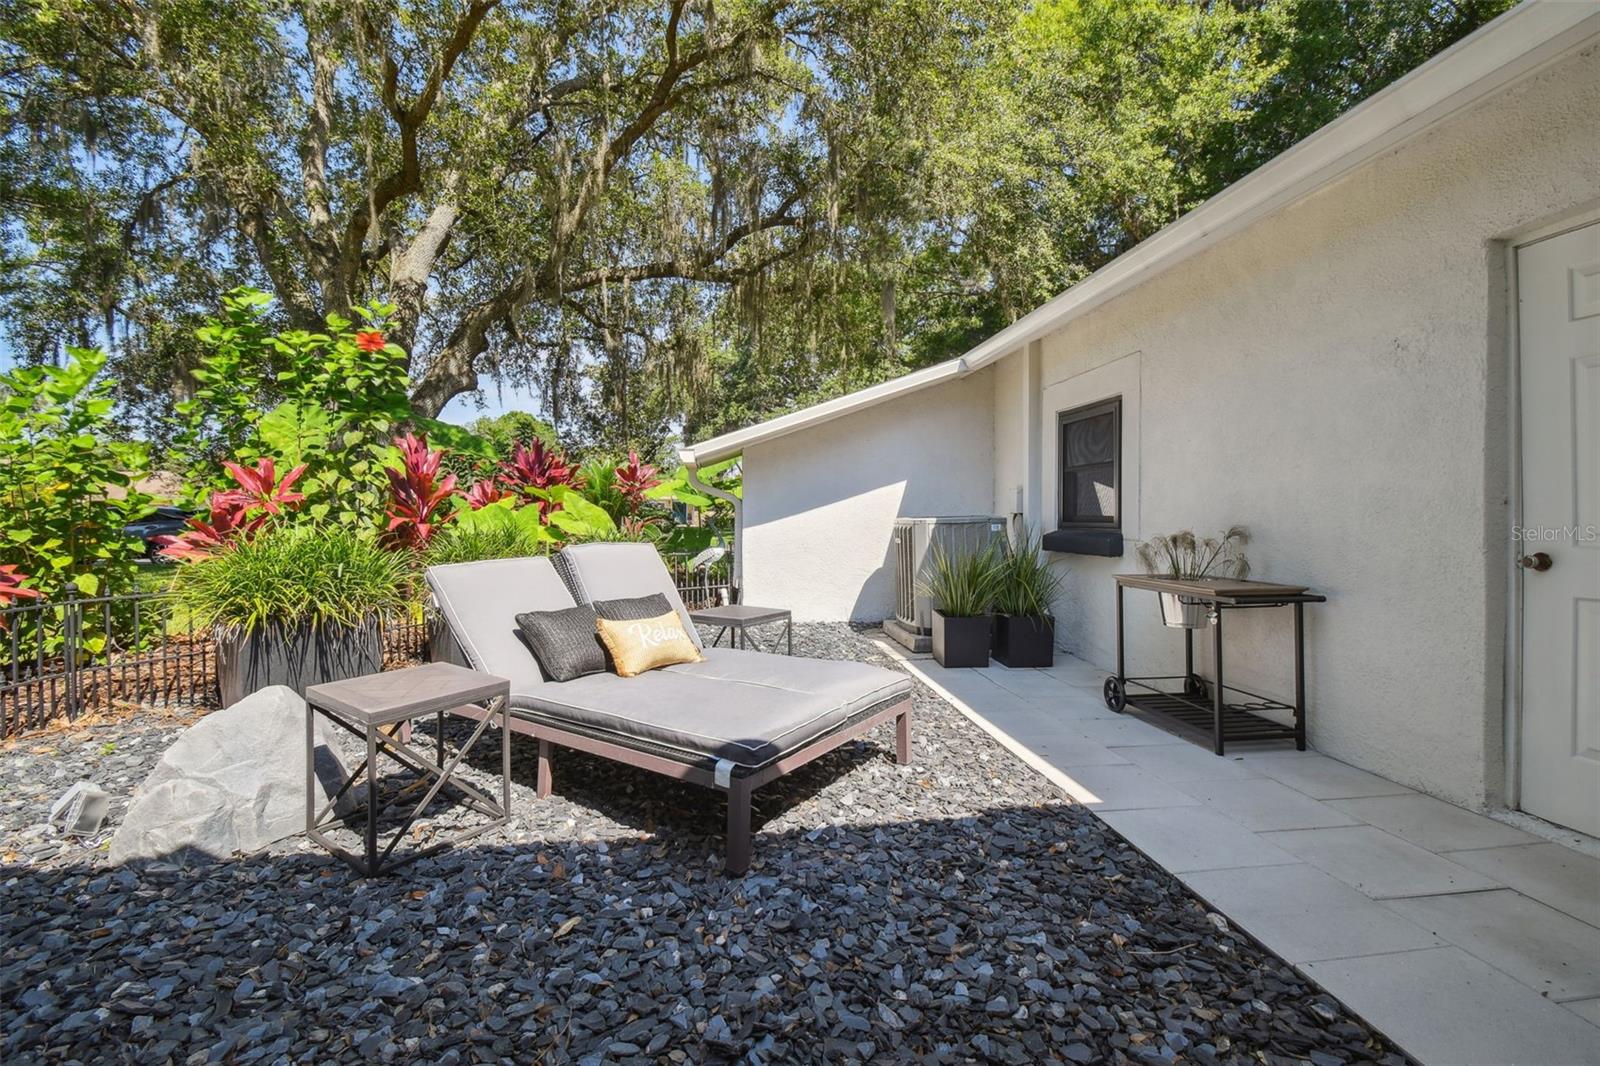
x: 642, y: 644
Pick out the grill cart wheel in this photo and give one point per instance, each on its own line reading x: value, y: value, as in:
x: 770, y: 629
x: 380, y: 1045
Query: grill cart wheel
x: 1195, y: 687
x: 1116, y: 698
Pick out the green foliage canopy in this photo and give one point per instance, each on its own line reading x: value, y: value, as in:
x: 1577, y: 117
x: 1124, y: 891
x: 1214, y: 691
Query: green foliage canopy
x: 670, y: 215
x: 67, y: 485
x: 299, y: 397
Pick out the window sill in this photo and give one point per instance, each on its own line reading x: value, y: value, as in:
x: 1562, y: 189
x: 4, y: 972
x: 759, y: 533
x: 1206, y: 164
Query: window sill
x: 1105, y: 542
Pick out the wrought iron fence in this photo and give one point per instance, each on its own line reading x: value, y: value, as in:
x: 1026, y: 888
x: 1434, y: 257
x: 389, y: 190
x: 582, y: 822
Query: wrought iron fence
x: 709, y: 585
x: 94, y: 653
x: 90, y: 654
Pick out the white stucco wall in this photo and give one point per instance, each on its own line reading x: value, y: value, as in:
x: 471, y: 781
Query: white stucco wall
x: 820, y: 504
x: 1336, y: 379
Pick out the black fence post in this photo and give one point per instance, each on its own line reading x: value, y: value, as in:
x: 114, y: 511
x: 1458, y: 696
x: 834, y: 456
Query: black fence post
x: 71, y: 622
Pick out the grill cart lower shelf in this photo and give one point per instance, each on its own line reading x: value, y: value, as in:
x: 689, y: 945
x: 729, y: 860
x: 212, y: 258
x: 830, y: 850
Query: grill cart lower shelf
x: 1240, y: 721
x: 1214, y: 709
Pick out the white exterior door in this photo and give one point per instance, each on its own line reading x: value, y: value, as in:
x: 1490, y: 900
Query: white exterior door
x: 1558, y: 284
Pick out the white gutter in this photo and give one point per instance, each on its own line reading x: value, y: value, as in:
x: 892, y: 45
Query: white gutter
x: 736, y: 576
x: 1519, y: 43
x: 1516, y: 44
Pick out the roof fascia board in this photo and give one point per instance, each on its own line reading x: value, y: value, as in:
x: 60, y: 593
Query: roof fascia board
x: 727, y: 444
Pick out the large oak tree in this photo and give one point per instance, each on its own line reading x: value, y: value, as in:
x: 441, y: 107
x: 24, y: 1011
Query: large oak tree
x: 656, y: 212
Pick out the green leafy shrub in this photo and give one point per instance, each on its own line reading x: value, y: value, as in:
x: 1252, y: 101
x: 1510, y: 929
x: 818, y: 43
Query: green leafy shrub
x: 295, y: 576
x: 470, y: 543
x: 331, y: 400
x: 962, y: 584
x: 1025, y: 585
x: 66, y: 481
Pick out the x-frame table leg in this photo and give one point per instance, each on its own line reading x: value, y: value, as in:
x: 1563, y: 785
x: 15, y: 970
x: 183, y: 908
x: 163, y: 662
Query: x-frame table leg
x: 372, y: 862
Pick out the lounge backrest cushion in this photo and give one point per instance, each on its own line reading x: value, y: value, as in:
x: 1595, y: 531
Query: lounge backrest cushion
x: 480, y: 603
x: 613, y: 571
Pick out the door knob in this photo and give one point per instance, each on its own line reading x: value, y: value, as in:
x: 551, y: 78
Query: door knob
x: 1539, y: 561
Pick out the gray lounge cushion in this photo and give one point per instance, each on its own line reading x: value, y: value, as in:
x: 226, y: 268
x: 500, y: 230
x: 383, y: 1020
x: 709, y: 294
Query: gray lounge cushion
x: 480, y: 602
x: 564, y: 641
x: 743, y: 706
x: 618, y: 570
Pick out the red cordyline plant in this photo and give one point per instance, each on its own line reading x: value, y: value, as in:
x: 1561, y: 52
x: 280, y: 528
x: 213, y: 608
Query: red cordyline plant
x: 485, y: 491
x: 237, y: 514
x: 260, y: 489
x: 416, y: 494
x: 12, y: 590
x: 538, y: 467
x: 634, y: 479
x: 638, y: 527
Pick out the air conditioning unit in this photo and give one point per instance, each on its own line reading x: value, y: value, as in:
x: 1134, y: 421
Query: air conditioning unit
x: 914, y: 541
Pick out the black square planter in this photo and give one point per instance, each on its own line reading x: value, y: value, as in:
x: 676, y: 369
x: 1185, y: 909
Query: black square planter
x: 1020, y: 641
x: 961, y: 641
x: 297, y: 657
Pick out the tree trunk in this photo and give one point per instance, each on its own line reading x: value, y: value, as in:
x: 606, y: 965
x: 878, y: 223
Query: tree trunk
x: 411, y: 269
x: 450, y: 374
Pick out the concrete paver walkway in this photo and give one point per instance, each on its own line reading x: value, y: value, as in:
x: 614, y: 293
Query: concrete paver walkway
x: 1466, y: 940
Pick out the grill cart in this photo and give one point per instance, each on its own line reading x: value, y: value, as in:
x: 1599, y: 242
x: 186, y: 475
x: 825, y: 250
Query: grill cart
x: 1203, y: 708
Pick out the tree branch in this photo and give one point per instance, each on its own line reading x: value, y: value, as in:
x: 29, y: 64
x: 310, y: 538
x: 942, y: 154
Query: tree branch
x: 324, y: 238
x: 702, y: 265
x: 410, y: 120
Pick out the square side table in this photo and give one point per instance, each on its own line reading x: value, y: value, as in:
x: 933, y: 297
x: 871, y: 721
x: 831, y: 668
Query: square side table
x: 362, y: 706
x: 735, y: 618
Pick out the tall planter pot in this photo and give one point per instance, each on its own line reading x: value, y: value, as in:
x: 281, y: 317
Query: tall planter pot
x: 1020, y: 641
x: 961, y: 641
x: 297, y: 657
x: 1182, y: 612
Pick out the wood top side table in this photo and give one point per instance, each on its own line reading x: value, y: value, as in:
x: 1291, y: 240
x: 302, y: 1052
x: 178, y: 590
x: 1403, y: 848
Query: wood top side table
x: 362, y: 706
x: 735, y: 618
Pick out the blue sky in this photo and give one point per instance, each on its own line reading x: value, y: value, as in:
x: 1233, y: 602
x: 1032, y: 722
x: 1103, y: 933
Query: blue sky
x: 496, y: 399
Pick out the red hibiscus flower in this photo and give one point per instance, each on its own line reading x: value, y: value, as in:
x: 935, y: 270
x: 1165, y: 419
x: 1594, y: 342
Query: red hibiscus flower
x: 369, y: 340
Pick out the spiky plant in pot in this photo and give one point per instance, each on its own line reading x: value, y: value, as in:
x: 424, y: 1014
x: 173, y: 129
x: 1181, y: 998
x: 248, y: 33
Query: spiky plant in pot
x: 1183, y: 556
x: 962, y: 587
x: 295, y: 605
x: 1025, y: 588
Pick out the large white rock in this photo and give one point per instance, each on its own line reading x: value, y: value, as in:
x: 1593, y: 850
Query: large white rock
x: 235, y: 781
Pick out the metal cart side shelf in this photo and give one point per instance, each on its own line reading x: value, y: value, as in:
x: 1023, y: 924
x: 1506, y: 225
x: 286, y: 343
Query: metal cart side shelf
x: 1203, y: 708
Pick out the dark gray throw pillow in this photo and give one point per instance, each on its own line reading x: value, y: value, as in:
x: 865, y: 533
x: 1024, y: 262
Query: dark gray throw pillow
x: 652, y: 606
x: 564, y: 642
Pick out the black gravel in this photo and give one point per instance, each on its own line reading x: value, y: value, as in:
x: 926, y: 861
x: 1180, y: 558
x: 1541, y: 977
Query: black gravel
x: 955, y: 910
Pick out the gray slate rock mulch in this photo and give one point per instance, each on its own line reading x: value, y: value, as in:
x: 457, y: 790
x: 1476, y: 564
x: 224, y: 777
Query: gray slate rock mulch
x: 955, y: 910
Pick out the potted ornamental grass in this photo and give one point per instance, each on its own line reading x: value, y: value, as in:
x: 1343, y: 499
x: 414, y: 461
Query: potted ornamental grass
x: 1025, y: 587
x: 1183, y: 556
x: 294, y: 605
x: 961, y: 586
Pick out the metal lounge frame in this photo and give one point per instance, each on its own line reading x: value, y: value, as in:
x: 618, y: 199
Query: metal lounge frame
x: 741, y: 784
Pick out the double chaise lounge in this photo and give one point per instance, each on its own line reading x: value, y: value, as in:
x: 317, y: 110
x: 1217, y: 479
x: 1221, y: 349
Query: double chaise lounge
x: 734, y: 721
